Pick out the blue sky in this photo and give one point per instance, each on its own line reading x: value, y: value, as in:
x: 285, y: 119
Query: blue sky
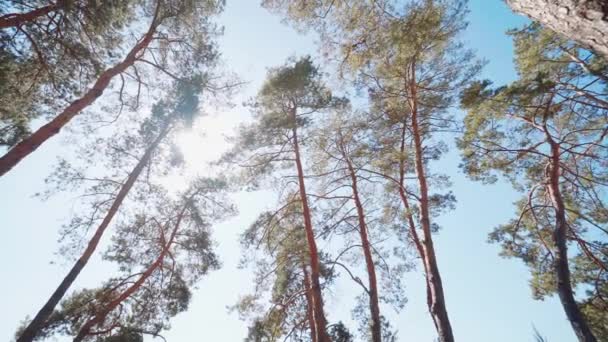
x: 488, y: 297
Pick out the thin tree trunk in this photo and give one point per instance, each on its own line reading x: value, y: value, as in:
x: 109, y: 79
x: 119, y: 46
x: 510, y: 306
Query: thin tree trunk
x: 101, y: 316
x: 31, y: 143
x: 34, y: 327
x: 585, y: 22
x: 562, y: 269
x: 437, y: 299
x: 309, y: 301
x: 319, y: 314
x: 16, y: 19
x: 410, y: 217
x: 374, y: 307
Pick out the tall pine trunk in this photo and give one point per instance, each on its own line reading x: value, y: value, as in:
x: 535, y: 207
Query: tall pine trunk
x: 562, y: 269
x: 317, y: 298
x: 437, y: 305
x: 585, y: 22
x: 410, y: 218
x: 37, y: 324
x: 374, y: 307
x: 31, y: 143
x: 101, y: 316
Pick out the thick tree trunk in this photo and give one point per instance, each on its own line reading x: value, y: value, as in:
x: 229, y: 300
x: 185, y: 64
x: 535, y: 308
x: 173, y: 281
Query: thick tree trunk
x: 319, y: 314
x: 562, y: 269
x: 584, y: 21
x: 374, y: 307
x: 34, y: 327
x: 437, y: 303
x: 31, y: 143
x: 101, y: 316
x: 16, y: 19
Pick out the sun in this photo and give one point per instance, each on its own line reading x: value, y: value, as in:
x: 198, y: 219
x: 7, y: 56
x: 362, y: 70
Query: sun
x: 206, y: 141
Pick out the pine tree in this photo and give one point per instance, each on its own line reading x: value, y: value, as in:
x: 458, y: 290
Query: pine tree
x: 45, y: 58
x: 286, y: 105
x: 546, y: 132
x: 106, y: 194
x: 275, y: 245
x: 178, y: 41
x: 348, y: 198
x: 409, y: 60
x: 161, y: 251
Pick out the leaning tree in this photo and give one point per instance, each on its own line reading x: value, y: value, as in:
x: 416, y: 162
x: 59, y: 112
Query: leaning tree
x: 68, y: 60
x: 127, y: 156
x: 161, y: 251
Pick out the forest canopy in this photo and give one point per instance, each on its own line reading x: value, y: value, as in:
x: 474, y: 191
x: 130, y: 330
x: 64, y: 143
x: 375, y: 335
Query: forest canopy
x: 358, y: 150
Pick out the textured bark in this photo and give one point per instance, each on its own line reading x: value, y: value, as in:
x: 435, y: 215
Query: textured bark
x: 317, y: 298
x: 34, y: 327
x: 374, y: 307
x: 584, y: 21
x: 16, y: 19
x: 437, y: 305
x: 101, y: 316
x: 562, y: 268
x: 31, y: 143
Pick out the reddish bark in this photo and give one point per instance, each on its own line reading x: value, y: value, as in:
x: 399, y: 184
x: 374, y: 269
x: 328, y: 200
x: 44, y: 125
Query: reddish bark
x: 437, y: 303
x: 317, y: 298
x: 309, y: 312
x: 101, y: 316
x: 31, y: 143
x: 560, y: 253
x: 34, y: 327
x: 16, y: 19
x: 374, y: 307
x: 410, y: 218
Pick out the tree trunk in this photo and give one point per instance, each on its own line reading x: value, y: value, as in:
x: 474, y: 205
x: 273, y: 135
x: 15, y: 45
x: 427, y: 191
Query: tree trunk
x: 31, y: 143
x: 16, y: 19
x: 309, y: 301
x: 584, y: 21
x: 374, y: 307
x: 410, y: 217
x: 319, y: 314
x: 34, y: 327
x: 562, y: 269
x: 437, y: 299
x: 101, y: 316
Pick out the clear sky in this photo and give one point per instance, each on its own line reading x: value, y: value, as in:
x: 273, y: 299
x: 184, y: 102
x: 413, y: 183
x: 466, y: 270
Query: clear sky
x: 488, y: 297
